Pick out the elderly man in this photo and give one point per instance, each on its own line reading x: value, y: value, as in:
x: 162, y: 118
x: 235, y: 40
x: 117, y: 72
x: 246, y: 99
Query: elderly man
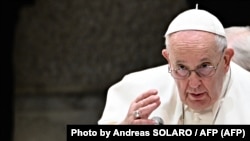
x: 199, y: 85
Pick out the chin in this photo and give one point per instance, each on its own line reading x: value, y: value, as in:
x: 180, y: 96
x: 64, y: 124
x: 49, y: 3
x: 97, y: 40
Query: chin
x: 198, y: 105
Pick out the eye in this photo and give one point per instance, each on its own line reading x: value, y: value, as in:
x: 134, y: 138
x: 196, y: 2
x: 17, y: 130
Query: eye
x: 181, y: 67
x: 205, y: 65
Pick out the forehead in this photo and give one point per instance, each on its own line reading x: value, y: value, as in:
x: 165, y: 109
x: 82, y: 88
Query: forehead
x: 192, y: 44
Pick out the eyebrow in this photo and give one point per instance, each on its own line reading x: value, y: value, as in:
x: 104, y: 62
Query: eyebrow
x: 202, y: 60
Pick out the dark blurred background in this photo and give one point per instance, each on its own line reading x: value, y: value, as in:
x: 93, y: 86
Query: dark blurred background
x: 59, y: 57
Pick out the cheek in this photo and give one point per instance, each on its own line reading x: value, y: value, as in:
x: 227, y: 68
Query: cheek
x: 214, y: 87
x: 182, y: 85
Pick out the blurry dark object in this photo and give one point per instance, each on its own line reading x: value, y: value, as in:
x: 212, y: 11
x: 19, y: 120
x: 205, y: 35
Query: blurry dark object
x: 230, y: 13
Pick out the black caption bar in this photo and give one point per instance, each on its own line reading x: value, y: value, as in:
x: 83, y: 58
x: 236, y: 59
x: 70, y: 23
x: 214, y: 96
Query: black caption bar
x: 218, y: 132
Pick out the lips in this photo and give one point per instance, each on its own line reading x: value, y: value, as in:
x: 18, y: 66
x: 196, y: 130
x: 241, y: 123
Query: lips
x: 196, y: 96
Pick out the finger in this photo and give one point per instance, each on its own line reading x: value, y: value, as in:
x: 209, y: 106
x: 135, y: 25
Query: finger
x: 145, y: 104
x: 146, y: 110
x: 146, y: 94
x: 146, y: 101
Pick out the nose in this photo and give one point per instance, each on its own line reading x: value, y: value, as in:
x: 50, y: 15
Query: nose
x: 194, y: 80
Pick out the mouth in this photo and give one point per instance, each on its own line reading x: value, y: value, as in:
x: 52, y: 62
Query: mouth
x: 197, y: 96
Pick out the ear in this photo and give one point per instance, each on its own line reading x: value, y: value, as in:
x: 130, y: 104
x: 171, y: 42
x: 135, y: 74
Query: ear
x: 229, y: 53
x: 165, y: 54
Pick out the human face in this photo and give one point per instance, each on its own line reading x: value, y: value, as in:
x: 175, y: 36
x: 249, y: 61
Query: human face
x: 192, y: 50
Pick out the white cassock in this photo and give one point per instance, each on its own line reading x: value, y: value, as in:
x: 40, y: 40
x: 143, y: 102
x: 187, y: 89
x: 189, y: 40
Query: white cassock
x: 234, y: 108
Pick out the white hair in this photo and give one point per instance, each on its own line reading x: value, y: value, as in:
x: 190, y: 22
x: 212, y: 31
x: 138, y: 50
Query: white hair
x: 239, y: 39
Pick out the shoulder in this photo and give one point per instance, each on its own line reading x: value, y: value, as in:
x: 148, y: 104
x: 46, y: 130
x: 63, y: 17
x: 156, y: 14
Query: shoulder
x: 240, y: 77
x: 239, y: 71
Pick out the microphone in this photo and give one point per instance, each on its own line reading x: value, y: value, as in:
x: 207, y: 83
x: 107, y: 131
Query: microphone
x: 158, y: 120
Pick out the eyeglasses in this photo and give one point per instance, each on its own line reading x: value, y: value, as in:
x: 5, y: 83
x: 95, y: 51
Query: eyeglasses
x: 204, y: 70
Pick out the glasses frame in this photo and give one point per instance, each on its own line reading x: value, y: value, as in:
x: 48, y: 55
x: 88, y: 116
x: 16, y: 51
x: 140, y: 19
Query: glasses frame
x: 195, y: 70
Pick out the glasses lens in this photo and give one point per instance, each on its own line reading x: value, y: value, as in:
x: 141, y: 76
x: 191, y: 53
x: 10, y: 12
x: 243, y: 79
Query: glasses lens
x: 180, y: 73
x: 206, y: 71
